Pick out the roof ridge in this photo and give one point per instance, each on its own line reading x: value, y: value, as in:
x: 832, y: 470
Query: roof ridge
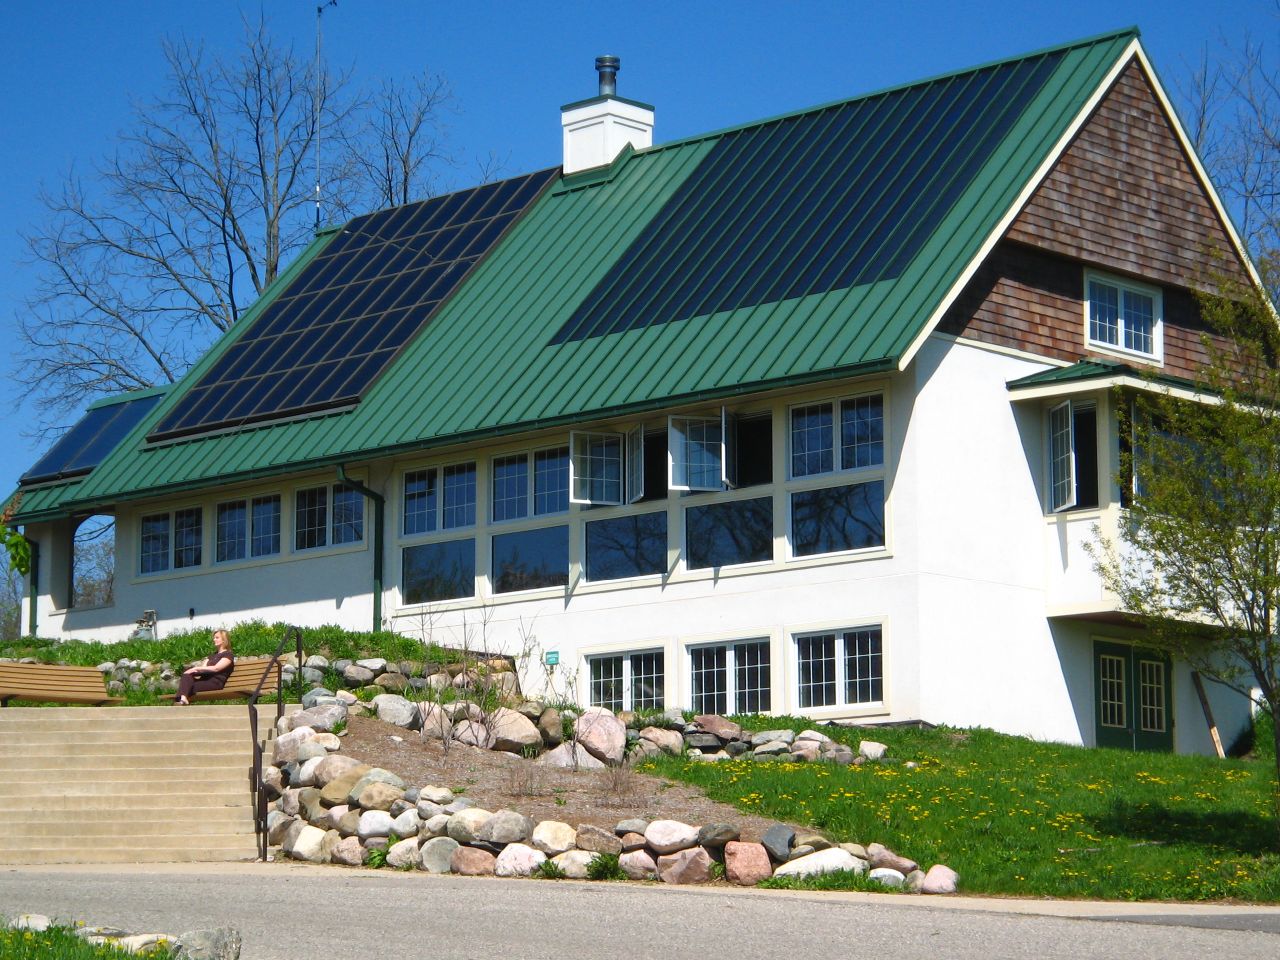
x: 1132, y: 32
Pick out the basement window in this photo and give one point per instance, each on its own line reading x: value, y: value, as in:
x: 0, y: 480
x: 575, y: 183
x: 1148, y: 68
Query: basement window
x: 840, y: 668
x: 628, y: 681
x: 730, y: 677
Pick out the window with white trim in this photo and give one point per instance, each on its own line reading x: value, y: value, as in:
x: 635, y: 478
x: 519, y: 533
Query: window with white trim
x: 595, y: 468
x: 514, y: 497
x: 627, y: 681
x: 1073, y: 455
x: 730, y: 677
x: 840, y: 667
x: 171, y: 541
x: 1122, y: 315
x: 247, y: 528
x: 316, y: 525
x: 835, y: 440
x: 439, y: 499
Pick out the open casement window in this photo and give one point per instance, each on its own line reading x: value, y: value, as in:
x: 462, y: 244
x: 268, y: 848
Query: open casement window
x: 635, y: 464
x: 701, y: 452
x: 596, y: 468
x: 1073, y: 456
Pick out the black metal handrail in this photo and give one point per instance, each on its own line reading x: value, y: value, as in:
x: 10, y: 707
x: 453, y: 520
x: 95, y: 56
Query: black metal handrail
x: 258, y: 796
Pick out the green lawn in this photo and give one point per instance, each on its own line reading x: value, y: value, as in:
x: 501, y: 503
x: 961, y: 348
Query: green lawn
x: 59, y: 943
x: 1017, y: 817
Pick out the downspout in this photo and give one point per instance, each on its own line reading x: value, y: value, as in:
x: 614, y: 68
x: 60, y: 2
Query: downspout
x: 33, y: 587
x: 379, y: 516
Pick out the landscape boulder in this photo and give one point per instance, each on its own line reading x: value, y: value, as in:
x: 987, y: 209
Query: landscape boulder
x: 882, y: 856
x: 940, y: 879
x: 574, y: 863
x: 436, y: 855
x: 465, y: 825
x: 505, y: 826
x: 518, y: 860
x: 570, y: 756
x: 554, y: 838
x: 778, y: 840
x: 715, y: 724
x: 668, y: 741
x: 395, y: 709
x: 602, y: 734
x: 670, y: 836
x: 597, y: 839
x: 638, y: 865
x: 823, y: 861
x: 887, y: 877
x: 512, y: 732
x: 685, y: 866
x: 746, y: 864
x: 472, y: 862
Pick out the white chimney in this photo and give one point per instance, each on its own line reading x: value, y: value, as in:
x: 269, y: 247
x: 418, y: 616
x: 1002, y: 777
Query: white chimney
x: 596, y: 130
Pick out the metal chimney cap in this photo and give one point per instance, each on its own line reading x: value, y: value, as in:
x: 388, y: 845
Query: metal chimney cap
x: 608, y: 67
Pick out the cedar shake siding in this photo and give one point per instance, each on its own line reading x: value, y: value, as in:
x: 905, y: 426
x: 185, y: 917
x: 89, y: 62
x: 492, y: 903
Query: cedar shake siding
x: 1125, y: 196
x: 1033, y: 300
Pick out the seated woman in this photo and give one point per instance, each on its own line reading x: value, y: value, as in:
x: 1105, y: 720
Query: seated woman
x: 210, y: 675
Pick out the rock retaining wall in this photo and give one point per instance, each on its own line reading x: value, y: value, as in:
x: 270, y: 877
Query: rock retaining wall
x: 330, y: 808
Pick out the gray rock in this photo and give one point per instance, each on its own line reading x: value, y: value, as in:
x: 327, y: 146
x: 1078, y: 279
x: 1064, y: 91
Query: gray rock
x: 427, y: 809
x: 702, y: 741
x: 915, y: 881
x: 401, y: 805
x: 278, y: 824
x: 472, y: 733
x: 437, y: 853
x: 357, y: 676
x: 882, y: 856
x: 376, y: 796
x: 285, y: 747
x: 312, y: 697
x: 310, y: 844
x: 393, y: 682
x: 311, y: 750
x: 395, y: 709
x: 316, y: 662
x: 531, y: 710
x: 551, y: 726
x: 815, y: 736
x: 716, y: 835
x: 632, y: 825
x: 375, y: 665
x: 306, y: 776
x: 440, y: 795
x: 217, y: 943
x: 272, y: 782
x: 407, y: 824
x: 513, y: 732
x: 801, y: 850
x: 778, y: 840
x: 462, y: 803
x: 597, y: 839
x: 887, y: 876
x: 815, y: 841
x: 312, y: 676
x: 506, y: 826
x: 465, y: 825
x: 437, y: 826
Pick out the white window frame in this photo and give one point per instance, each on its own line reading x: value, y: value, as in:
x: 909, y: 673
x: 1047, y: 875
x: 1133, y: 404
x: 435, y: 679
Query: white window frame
x: 579, y: 457
x: 732, y: 648
x: 1062, y: 425
x: 438, y: 530
x: 841, y: 671
x: 627, y: 675
x: 244, y: 503
x: 677, y: 463
x: 531, y: 483
x: 1124, y: 286
x: 837, y: 446
x: 171, y: 517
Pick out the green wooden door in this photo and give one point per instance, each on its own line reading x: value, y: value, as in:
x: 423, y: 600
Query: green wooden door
x: 1133, y: 699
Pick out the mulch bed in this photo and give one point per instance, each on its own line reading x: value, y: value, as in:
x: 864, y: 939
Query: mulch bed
x: 497, y: 781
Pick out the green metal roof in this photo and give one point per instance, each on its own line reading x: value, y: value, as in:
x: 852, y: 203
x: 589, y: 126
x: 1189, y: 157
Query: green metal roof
x: 493, y: 360
x: 1099, y: 369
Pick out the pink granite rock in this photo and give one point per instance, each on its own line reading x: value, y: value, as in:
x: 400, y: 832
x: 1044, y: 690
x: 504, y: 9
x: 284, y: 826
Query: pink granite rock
x: 472, y: 862
x: 882, y: 856
x: 348, y: 852
x: 602, y: 734
x: 940, y: 879
x: 668, y: 741
x: 746, y: 864
x: 638, y: 865
x: 686, y: 866
x: 722, y: 728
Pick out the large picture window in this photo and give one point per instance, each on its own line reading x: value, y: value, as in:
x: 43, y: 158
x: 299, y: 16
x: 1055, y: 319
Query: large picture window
x: 439, y: 571
x: 439, y: 499
x: 171, y: 541
x: 724, y: 534
x: 840, y: 667
x: 730, y: 677
x: 626, y: 547
x: 315, y: 525
x: 531, y: 559
x: 832, y: 519
x: 1123, y: 316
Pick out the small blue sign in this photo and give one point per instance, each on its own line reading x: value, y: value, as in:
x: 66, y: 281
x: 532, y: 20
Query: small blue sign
x: 551, y: 658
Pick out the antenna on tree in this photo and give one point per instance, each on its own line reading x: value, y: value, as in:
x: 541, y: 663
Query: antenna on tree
x: 319, y: 80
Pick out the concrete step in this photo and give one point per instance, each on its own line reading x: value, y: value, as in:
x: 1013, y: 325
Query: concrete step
x: 105, y: 749
x: 117, y: 785
x: 210, y: 849
x: 38, y: 735
x: 30, y: 830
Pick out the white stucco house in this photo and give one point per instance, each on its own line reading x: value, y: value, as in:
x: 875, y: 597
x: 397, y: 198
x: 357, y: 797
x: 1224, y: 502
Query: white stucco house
x: 813, y: 415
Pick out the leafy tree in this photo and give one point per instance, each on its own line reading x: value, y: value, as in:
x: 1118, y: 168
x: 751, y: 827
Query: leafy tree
x: 144, y: 261
x: 1197, y: 555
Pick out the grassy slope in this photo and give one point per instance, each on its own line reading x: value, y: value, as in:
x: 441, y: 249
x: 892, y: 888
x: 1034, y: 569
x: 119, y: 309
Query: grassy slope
x: 1018, y: 817
x: 60, y: 943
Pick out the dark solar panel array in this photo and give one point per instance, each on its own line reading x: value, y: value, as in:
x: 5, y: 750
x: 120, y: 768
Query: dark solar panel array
x: 87, y: 443
x: 830, y: 199
x: 325, y: 339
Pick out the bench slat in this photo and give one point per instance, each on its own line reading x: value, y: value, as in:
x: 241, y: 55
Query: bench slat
x: 53, y: 682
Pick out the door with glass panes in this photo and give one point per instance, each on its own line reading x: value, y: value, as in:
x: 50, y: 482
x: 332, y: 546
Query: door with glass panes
x: 1132, y: 696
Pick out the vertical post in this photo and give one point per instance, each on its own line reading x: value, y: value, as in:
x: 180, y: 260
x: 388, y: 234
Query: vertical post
x: 33, y: 588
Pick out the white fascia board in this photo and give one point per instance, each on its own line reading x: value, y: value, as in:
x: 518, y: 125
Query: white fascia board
x: 1015, y: 208
x: 1053, y: 391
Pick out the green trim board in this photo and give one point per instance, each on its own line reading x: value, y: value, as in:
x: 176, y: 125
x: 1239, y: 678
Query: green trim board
x: 487, y: 365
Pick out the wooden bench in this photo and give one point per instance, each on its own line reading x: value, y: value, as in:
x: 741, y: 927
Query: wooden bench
x: 243, y: 681
x: 52, y: 683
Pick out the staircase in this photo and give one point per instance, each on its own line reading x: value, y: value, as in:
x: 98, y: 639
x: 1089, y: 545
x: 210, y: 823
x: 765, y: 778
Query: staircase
x: 126, y: 784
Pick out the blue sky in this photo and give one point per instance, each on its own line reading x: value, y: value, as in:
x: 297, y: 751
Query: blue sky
x: 70, y: 71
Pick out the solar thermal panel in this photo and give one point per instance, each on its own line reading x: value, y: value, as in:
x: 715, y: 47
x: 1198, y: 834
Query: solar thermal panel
x: 324, y: 340
x: 89, y: 441
x: 834, y: 198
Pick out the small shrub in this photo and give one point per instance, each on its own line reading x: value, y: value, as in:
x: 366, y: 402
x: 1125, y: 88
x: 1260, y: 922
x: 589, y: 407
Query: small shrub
x: 717, y: 871
x: 377, y: 856
x: 837, y: 880
x: 605, y: 867
x: 549, y: 870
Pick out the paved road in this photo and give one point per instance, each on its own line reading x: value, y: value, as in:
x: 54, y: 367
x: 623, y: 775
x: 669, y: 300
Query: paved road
x: 288, y: 912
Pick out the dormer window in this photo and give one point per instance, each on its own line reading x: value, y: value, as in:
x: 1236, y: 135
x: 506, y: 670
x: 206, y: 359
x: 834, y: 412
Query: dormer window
x: 1123, y: 317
